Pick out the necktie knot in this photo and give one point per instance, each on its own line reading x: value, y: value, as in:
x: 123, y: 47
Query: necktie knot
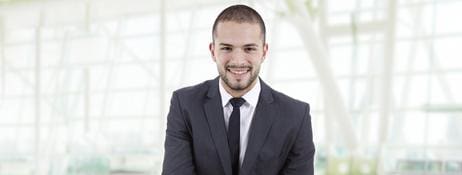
x: 237, y: 102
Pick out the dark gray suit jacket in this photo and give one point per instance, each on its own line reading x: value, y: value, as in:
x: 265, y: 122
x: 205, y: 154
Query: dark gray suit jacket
x: 280, y: 138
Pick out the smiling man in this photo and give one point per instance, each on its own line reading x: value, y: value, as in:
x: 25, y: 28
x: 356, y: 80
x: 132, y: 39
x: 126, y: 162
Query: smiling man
x: 236, y: 124
x: 238, y: 50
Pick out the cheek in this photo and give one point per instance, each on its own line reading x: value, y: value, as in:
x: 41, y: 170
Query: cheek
x: 221, y: 59
x: 220, y: 62
x: 257, y: 60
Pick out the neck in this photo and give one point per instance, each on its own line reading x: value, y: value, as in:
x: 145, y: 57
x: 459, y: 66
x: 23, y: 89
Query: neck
x: 238, y: 93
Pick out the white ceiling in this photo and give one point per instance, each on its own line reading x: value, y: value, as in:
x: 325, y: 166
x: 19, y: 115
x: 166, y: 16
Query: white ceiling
x: 21, y: 14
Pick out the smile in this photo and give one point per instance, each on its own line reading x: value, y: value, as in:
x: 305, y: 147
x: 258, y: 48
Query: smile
x: 238, y: 70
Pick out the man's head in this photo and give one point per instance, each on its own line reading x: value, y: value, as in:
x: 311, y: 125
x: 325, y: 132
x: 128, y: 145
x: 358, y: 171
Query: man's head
x: 238, y: 47
x: 240, y: 14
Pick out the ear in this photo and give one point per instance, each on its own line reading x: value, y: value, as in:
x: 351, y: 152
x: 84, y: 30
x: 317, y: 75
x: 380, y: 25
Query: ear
x: 265, y: 51
x: 212, y: 51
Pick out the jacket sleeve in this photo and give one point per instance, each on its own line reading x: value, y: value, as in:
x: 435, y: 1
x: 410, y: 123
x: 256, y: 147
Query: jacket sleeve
x: 301, y: 156
x: 178, y: 158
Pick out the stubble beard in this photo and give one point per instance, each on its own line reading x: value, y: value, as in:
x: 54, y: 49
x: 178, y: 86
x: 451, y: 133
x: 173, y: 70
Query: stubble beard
x: 239, y: 86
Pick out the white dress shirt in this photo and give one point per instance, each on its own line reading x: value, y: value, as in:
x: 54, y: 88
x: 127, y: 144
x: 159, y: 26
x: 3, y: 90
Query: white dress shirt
x: 247, y: 110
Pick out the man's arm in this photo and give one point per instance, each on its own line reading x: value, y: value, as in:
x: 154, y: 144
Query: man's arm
x: 178, y: 158
x: 301, y: 156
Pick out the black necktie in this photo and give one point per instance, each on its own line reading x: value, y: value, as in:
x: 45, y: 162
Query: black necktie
x: 234, y: 130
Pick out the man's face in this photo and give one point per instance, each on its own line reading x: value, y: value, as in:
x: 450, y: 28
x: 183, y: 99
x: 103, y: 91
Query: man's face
x: 238, y: 51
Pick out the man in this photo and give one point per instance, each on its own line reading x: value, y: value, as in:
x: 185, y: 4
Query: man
x: 236, y: 124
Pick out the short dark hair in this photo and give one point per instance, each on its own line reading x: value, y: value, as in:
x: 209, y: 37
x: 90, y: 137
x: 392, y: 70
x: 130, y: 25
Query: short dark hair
x: 240, y: 14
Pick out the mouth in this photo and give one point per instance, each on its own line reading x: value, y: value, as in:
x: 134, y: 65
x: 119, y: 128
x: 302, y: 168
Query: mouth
x: 241, y: 70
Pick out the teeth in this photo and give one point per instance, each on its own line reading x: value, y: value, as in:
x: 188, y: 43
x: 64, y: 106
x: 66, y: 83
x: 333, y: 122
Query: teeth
x: 238, y: 71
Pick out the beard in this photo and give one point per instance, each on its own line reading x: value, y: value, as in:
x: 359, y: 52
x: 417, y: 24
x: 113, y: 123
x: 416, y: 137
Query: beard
x: 239, y: 85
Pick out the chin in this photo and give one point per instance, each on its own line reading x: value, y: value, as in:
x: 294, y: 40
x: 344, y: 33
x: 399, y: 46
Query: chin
x: 236, y: 84
x: 239, y: 86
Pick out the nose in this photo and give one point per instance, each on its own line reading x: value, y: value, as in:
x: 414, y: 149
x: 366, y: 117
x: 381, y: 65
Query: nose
x: 238, y: 57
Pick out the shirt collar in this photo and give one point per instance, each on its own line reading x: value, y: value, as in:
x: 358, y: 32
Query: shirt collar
x: 250, y: 97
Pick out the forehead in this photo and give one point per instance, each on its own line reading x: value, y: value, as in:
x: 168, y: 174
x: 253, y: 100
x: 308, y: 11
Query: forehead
x: 238, y: 33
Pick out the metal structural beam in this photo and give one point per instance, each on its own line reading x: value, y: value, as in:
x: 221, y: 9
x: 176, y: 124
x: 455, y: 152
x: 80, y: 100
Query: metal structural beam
x: 21, y: 14
x: 361, y: 27
x: 335, y: 108
x: 37, y: 94
x: 386, y: 93
x: 275, y: 42
x: 2, y: 59
x: 187, y: 50
x: 86, y: 99
x: 162, y: 87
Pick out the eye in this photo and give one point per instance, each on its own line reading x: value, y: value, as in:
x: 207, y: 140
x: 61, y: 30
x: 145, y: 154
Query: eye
x: 250, y: 49
x: 226, y: 48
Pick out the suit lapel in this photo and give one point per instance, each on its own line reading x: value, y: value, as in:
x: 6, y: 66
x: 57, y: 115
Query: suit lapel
x: 265, y: 113
x: 215, y: 118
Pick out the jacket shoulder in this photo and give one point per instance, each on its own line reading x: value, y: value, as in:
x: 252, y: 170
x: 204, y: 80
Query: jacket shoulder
x: 197, y: 91
x: 290, y: 103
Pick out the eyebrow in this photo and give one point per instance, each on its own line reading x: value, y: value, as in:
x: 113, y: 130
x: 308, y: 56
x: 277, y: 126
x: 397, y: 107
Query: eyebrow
x: 245, y: 45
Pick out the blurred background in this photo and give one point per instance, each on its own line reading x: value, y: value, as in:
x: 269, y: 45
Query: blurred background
x: 85, y: 84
